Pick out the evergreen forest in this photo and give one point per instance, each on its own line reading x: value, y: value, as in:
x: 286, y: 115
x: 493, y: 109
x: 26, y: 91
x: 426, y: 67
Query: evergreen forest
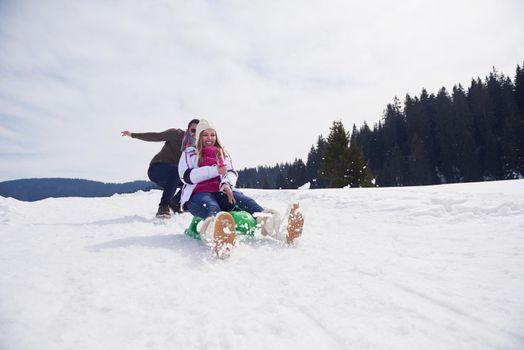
x: 463, y: 135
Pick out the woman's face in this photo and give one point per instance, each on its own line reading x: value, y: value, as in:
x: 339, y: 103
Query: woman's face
x: 209, y: 137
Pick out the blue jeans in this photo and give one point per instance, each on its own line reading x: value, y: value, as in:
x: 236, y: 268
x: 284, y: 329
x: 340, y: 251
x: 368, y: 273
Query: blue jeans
x: 165, y: 175
x: 206, y: 204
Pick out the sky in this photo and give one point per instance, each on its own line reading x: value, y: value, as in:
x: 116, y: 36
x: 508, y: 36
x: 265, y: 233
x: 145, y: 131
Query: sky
x: 271, y: 75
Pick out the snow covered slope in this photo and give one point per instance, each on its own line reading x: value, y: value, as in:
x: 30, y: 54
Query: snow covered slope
x: 438, y: 267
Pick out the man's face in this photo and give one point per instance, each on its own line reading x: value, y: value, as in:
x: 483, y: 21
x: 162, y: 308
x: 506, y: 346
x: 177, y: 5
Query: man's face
x: 192, y: 129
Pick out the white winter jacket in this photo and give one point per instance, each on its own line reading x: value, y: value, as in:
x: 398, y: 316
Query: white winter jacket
x: 191, y: 174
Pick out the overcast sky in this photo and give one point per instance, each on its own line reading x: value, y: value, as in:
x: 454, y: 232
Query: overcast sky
x: 271, y: 75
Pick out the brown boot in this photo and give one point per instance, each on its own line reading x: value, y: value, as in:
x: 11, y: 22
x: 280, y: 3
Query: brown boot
x: 206, y: 234
x: 163, y: 212
x: 224, y: 234
x: 269, y: 221
x: 295, y: 223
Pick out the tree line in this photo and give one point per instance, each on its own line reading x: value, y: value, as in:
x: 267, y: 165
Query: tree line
x: 468, y: 134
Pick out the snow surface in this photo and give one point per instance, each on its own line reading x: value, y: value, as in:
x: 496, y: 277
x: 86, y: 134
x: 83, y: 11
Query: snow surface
x: 437, y: 267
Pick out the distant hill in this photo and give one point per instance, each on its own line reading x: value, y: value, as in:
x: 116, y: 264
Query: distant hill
x: 36, y: 189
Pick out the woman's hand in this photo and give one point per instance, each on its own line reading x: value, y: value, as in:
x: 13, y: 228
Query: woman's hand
x: 126, y: 133
x: 222, y: 169
x: 227, y: 190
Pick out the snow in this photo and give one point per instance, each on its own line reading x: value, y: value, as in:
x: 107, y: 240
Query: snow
x: 305, y: 186
x: 436, y: 267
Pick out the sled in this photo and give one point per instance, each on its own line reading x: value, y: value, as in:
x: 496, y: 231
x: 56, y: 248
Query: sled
x: 245, y: 224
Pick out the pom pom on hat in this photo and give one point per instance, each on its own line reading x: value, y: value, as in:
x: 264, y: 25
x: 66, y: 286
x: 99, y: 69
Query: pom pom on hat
x: 203, y: 125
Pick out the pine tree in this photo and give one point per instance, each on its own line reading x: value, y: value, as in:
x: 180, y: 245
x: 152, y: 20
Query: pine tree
x: 359, y: 174
x: 280, y: 182
x: 465, y: 162
x: 512, y: 155
x: 444, y: 136
x: 395, y: 126
x: 519, y: 87
x: 427, y: 102
x: 418, y: 163
x: 335, y: 167
x: 395, y: 169
x: 314, y: 164
x: 519, y: 100
x: 296, y: 173
x: 481, y: 109
x: 419, y: 116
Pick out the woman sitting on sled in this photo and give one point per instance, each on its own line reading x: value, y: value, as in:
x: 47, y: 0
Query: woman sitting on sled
x: 209, y: 190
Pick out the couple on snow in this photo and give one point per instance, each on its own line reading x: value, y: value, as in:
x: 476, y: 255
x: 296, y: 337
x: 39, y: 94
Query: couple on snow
x: 208, y: 176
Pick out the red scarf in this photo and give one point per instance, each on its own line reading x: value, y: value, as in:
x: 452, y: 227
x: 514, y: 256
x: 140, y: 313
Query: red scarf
x: 210, y: 157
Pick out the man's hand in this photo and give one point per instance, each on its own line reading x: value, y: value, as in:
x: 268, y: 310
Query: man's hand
x: 126, y: 133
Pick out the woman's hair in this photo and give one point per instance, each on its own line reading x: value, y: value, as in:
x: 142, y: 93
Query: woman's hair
x: 221, y: 152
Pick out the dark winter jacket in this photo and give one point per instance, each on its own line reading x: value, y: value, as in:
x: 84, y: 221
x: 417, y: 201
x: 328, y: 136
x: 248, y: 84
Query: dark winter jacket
x: 170, y: 152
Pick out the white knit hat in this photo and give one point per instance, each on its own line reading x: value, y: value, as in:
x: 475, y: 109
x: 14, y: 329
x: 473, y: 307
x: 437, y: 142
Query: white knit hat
x: 203, y: 124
